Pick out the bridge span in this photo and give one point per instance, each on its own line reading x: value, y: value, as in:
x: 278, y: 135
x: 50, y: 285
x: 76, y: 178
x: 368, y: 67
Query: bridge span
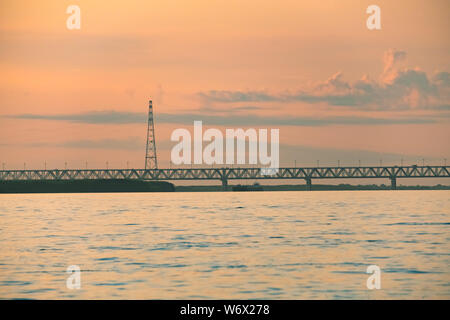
x: 225, y: 174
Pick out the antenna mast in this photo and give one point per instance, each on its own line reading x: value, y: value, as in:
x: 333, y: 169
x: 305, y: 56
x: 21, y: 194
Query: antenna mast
x: 150, y: 151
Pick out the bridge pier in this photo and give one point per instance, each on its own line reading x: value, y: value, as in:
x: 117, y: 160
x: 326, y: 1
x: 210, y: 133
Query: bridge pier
x: 308, y: 184
x: 393, y: 183
x: 224, y: 184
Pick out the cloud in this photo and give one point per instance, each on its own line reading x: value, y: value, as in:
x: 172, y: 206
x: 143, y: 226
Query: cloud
x: 442, y: 79
x: 237, y: 96
x: 114, y: 117
x: 212, y: 109
x: 130, y: 143
x: 94, y: 117
x: 391, y: 58
x: 255, y: 120
x: 396, y: 89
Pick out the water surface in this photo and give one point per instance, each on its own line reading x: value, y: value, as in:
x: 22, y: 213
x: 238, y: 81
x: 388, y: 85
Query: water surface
x: 235, y: 245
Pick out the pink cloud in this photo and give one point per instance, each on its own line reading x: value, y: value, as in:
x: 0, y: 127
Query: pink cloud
x: 398, y: 88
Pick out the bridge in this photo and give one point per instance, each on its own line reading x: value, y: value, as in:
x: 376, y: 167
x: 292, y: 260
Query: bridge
x: 225, y: 174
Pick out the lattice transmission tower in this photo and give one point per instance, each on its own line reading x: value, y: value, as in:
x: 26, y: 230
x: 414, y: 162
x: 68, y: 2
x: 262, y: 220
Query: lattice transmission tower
x: 150, y: 151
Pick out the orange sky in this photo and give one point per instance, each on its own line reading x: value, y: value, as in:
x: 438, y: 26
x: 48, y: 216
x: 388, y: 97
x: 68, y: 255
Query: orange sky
x: 311, y: 68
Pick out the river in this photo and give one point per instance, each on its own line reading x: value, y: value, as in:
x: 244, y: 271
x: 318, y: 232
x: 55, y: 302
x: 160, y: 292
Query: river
x: 226, y: 245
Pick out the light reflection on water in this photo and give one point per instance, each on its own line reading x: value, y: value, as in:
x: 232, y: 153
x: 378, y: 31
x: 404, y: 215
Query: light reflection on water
x: 235, y: 245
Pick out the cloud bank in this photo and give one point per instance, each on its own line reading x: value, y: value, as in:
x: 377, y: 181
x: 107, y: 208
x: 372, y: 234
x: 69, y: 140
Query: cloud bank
x: 397, y: 88
x: 115, y: 117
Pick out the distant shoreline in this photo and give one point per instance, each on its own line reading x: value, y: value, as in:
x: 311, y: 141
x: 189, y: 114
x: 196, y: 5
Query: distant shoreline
x: 84, y: 186
x: 125, y: 186
x: 314, y: 187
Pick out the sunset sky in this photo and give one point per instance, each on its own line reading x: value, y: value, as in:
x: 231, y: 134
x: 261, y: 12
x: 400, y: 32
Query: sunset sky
x: 336, y: 90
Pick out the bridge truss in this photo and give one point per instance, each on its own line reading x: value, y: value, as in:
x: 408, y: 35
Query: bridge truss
x: 225, y: 174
